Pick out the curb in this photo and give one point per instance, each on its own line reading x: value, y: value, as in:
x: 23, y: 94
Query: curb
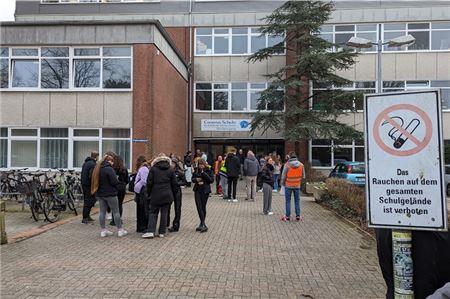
x: 18, y: 237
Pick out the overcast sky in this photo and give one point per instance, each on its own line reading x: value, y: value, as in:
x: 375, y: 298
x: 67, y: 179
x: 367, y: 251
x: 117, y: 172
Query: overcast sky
x: 7, y: 10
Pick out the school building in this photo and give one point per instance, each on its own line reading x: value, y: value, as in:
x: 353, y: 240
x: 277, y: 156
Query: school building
x: 143, y: 77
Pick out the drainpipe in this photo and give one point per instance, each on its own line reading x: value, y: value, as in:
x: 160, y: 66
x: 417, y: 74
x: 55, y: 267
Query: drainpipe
x: 190, y: 96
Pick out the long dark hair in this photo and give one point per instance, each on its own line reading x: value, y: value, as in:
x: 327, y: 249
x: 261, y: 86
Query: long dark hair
x: 96, y: 173
x: 141, y: 160
x: 119, y: 165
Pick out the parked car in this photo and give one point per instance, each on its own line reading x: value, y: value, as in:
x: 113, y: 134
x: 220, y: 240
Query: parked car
x: 447, y: 179
x: 354, y: 172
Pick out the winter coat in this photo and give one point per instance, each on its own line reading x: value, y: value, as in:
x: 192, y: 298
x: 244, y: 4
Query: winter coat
x: 233, y: 166
x: 204, y: 185
x: 267, y: 174
x: 188, y: 161
x: 122, y: 176
x: 294, y: 163
x: 251, y: 166
x: 161, y: 182
x: 107, y: 185
x: 141, y: 178
x: 86, y: 173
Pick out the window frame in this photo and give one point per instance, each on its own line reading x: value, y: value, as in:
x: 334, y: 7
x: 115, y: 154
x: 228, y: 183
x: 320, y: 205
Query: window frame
x: 332, y: 146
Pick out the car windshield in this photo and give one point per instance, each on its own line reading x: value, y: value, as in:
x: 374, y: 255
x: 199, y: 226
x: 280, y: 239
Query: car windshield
x: 358, y: 168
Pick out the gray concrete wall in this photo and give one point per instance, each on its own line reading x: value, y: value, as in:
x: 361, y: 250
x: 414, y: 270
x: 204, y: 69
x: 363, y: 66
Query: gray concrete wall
x: 66, y: 109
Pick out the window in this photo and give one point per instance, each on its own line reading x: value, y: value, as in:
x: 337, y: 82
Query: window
x: 232, y: 41
x: 65, y: 68
x: 340, y: 34
x: 440, y: 36
x: 445, y: 92
x: 327, y: 153
x: 421, y: 32
x: 233, y: 97
x: 60, y: 147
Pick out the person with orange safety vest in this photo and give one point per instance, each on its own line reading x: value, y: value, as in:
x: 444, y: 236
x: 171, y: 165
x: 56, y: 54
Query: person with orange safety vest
x: 291, y: 178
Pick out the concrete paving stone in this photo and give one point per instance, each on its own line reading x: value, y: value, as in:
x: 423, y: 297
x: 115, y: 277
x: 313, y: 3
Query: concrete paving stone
x: 243, y: 255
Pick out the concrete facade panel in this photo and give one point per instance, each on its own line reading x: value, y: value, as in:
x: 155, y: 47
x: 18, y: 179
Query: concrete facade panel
x: 426, y: 66
x: 244, y: 19
x: 118, y: 108
x: 388, y: 67
x: 352, y: 16
x: 11, y: 109
x: 443, y: 66
x: 138, y: 34
x: 365, y: 68
x: 239, y: 69
x: 275, y: 63
x: 397, y: 14
x: 49, y: 34
x: 63, y: 109
x: 110, y: 34
x: 437, y: 13
x: 223, y: 19
x: 348, y: 74
x: 257, y: 71
x: 90, y: 109
x: 26, y: 37
x: 374, y: 15
x: 405, y: 65
x: 80, y: 34
x: 36, y: 109
x: 419, y: 13
x: 221, y: 69
x: 203, y: 20
x: 203, y: 68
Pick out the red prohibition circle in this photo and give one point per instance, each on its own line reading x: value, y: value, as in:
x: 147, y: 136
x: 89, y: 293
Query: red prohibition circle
x: 384, y: 115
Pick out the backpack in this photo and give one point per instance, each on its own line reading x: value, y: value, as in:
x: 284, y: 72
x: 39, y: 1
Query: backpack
x: 131, y: 180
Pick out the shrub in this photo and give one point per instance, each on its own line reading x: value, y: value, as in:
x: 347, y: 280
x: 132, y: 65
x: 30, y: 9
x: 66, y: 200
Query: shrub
x: 313, y: 175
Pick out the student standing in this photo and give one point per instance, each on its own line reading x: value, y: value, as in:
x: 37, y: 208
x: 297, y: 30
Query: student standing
x: 181, y: 181
x: 276, y: 173
x: 267, y: 180
x: 86, y: 175
x: 104, y: 186
x: 251, y: 170
x: 202, y: 179
x: 224, y: 180
x: 122, y: 176
x: 161, y: 189
x: 141, y: 195
x: 188, y: 167
x: 291, y: 178
x: 233, y: 169
x: 217, y: 166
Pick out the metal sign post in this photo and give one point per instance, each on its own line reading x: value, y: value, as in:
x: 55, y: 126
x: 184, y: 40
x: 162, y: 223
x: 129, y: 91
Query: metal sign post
x: 405, y: 187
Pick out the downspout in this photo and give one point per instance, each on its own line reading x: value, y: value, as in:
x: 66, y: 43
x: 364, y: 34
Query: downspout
x: 190, y: 96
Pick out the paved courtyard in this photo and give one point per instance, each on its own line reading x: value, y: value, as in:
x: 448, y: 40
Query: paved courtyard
x: 243, y: 255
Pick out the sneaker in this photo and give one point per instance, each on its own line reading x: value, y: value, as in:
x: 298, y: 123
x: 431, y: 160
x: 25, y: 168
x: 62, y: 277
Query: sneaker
x: 264, y: 213
x: 229, y: 200
x: 173, y: 229
x: 161, y: 235
x: 148, y: 235
x: 299, y: 218
x: 108, y: 216
x: 204, y: 229
x: 285, y: 218
x: 235, y: 200
x: 199, y: 228
x: 275, y: 190
x: 105, y: 233
x: 122, y: 233
x: 270, y: 213
x: 85, y: 221
x: 260, y: 190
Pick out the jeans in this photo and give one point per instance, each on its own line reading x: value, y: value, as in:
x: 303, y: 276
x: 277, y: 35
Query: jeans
x: 224, y: 184
x: 267, y: 198
x: 275, y: 181
x: 88, y: 203
x: 200, y: 201
x: 112, y: 202
x: 287, y: 197
x: 153, y: 218
x: 232, y: 182
x: 250, y: 182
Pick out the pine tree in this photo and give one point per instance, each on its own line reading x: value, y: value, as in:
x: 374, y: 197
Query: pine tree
x: 313, y: 61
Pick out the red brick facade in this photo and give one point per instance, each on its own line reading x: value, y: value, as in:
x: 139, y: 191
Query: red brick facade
x: 159, y: 104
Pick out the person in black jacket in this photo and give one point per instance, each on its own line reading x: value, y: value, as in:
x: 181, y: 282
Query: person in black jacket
x: 233, y: 167
x: 267, y: 186
x: 181, y: 181
x: 89, y: 199
x: 104, y: 185
x: 122, y: 176
x: 161, y: 189
x: 202, y: 178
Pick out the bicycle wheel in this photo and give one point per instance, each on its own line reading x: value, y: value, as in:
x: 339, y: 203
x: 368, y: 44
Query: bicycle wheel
x: 71, y: 202
x: 36, y: 206
x: 51, y: 208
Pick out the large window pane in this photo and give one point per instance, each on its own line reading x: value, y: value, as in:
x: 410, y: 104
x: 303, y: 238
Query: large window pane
x: 239, y: 100
x: 258, y: 43
x: 119, y: 147
x: 83, y: 149
x: 55, y: 73
x: 391, y: 35
x: 254, y: 97
x: 341, y: 39
x: 23, y: 153
x: 204, y: 45
x: 321, y: 156
x: 3, y: 152
x: 4, y: 52
x: 54, y: 153
x: 239, y: 44
x: 221, y: 45
x: 342, y: 155
x: 87, y: 73
x: 440, y: 40
x: 274, y: 40
x: 422, y: 40
x: 203, y: 100
x: 445, y: 98
x: 25, y: 73
x: 220, y: 100
x: 4, y: 69
x: 359, y: 154
x: 117, y: 73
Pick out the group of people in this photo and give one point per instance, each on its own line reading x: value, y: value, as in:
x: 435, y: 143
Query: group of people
x: 157, y: 185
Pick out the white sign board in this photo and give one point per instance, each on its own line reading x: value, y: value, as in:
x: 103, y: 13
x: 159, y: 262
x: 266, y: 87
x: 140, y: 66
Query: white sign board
x: 225, y: 125
x: 404, y: 161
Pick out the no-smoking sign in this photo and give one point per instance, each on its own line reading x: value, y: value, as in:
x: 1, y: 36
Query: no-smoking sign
x: 404, y: 161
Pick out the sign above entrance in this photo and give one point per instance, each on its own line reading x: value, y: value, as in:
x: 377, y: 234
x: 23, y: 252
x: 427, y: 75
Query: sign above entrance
x: 225, y: 125
x: 404, y: 159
